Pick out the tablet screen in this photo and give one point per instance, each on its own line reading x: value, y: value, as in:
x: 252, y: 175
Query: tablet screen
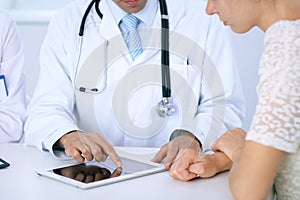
x: 93, y: 171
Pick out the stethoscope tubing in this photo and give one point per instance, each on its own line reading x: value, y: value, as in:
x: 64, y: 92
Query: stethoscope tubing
x: 86, y: 13
x: 165, y: 56
x: 165, y: 108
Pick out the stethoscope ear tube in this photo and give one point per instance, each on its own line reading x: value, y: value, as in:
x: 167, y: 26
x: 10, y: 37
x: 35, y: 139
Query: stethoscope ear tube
x: 86, y: 13
x: 165, y: 107
x: 165, y: 63
x: 98, y: 9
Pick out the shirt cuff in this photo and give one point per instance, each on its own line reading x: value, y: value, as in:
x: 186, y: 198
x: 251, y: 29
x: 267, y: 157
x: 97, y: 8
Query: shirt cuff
x: 179, y: 132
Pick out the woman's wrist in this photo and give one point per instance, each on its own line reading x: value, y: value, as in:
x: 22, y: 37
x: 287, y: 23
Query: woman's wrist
x: 236, y: 154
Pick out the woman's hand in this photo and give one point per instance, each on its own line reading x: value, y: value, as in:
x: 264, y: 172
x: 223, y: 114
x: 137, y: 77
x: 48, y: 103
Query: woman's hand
x: 231, y: 143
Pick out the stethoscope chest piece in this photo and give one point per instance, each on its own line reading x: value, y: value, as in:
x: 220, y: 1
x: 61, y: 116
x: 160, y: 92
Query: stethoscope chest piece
x: 165, y: 108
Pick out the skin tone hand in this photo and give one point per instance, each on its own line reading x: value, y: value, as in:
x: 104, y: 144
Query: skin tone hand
x: 176, y: 148
x: 247, y: 156
x: 117, y: 172
x: 89, y: 146
x: 231, y: 143
x: 184, y: 159
x: 193, y: 164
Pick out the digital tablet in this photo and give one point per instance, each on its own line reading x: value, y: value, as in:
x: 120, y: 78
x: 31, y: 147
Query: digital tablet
x: 94, y: 174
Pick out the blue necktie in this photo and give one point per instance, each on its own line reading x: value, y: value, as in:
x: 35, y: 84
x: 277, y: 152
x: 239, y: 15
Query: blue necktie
x: 128, y: 27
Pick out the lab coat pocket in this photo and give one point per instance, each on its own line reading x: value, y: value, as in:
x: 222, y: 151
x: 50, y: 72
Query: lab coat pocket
x: 185, y: 80
x: 179, y: 71
x: 178, y: 66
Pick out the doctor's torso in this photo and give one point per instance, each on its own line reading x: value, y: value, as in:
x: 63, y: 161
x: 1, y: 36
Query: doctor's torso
x: 124, y: 112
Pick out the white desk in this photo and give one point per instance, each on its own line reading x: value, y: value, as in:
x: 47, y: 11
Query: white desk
x: 19, y: 181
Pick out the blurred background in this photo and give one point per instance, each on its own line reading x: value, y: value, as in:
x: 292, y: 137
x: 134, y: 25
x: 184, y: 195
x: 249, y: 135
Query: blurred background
x: 32, y: 18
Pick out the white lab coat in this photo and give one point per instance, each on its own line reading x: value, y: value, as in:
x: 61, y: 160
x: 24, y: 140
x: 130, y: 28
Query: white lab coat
x: 122, y: 112
x: 12, y: 106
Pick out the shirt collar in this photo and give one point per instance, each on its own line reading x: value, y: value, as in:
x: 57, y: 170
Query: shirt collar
x: 147, y: 15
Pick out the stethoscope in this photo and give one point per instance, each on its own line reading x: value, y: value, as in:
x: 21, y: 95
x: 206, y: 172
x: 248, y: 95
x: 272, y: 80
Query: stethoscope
x: 164, y: 107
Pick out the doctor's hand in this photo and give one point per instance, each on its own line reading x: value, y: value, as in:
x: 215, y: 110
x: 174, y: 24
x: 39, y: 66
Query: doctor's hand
x: 89, y: 146
x: 193, y: 164
x: 173, y: 150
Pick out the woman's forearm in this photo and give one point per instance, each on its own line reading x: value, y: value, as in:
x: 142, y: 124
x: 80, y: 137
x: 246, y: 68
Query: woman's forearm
x: 252, y: 175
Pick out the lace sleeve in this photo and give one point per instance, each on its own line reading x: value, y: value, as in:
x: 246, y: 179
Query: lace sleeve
x: 277, y: 119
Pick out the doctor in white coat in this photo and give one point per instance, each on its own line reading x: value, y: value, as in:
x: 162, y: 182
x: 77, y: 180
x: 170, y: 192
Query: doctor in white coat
x: 92, y: 94
x: 12, y: 81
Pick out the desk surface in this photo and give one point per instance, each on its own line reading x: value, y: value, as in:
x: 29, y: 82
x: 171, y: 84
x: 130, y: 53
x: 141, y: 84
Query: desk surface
x: 19, y: 181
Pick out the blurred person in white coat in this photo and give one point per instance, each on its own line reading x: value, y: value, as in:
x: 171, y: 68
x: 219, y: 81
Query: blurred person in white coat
x: 82, y: 108
x: 12, y: 81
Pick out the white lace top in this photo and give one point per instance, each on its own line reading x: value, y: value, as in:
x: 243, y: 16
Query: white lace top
x: 277, y: 119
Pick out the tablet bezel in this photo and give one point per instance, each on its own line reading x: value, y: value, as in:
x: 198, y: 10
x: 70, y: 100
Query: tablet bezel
x: 156, y: 169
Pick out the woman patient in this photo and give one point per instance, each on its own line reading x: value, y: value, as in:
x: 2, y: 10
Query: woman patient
x: 269, y: 153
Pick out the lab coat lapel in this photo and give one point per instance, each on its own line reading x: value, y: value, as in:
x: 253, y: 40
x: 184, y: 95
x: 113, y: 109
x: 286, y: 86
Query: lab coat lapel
x: 108, y: 27
x: 109, y: 30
